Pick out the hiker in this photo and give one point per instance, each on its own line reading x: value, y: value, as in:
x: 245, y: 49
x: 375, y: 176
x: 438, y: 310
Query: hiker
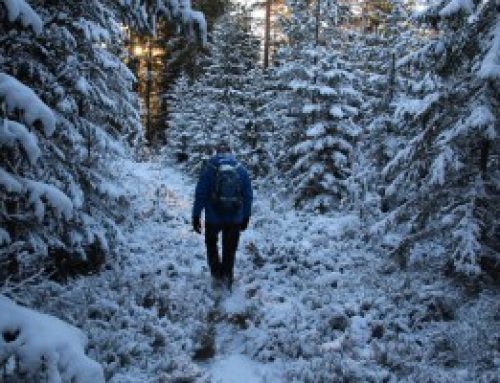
x: 224, y: 191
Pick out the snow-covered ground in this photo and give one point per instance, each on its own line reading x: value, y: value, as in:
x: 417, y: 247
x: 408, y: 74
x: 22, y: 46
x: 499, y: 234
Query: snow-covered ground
x: 313, y: 301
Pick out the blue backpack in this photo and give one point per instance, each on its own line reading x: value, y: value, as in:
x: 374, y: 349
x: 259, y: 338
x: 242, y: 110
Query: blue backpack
x: 227, y: 193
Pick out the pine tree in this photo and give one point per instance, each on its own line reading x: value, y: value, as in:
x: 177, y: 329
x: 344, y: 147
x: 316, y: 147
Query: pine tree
x: 186, y: 134
x: 443, y: 184
x: 374, y: 56
x: 73, y: 66
x: 325, y: 103
x: 223, y: 94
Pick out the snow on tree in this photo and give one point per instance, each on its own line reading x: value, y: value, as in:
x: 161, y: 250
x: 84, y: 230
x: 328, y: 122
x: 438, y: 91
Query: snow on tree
x: 18, y: 97
x: 373, y: 56
x: 443, y: 182
x: 22, y: 11
x: 325, y: 102
x: 89, y: 117
x: 144, y: 15
x: 222, y: 96
x: 44, y: 348
x: 186, y: 132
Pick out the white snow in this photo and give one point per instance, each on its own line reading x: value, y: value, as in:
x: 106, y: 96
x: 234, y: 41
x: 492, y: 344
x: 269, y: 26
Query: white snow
x: 22, y: 10
x: 341, y: 226
x: 336, y: 111
x: 455, y: 6
x: 41, y: 342
x: 198, y: 18
x: 467, y: 234
x: 92, y: 31
x: 298, y: 84
x: 311, y: 108
x: 480, y: 121
x: 19, y: 97
x: 4, y: 237
x: 83, y: 86
x: 327, y: 91
x: 10, y: 182
x: 482, y: 117
x: 490, y: 67
x: 308, y: 294
x: 237, y: 368
x: 440, y: 164
x: 350, y: 92
x: 12, y: 133
x: 416, y: 106
x: 191, y: 18
x: 56, y: 199
x: 316, y: 130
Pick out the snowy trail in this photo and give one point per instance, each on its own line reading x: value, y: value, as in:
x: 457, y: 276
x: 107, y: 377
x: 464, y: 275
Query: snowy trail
x: 312, y: 301
x: 293, y: 276
x: 162, y: 198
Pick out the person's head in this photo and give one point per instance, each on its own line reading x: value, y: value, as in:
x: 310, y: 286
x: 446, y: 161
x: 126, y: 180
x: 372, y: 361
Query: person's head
x: 222, y: 147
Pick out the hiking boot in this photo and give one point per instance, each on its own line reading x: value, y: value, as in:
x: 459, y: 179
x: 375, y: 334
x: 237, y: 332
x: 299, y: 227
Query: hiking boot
x: 217, y: 283
x: 229, y: 283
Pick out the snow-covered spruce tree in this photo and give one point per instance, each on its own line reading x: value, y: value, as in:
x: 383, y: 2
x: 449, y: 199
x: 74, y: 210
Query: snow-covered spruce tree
x: 443, y: 185
x: 373, y: 56
x: 143, y: 15
x: 73, y: 66
x: 182, y: 54
x: 222, y: 96
x: 187, y: 133
x: 325, y: 102
x: 260, y: 138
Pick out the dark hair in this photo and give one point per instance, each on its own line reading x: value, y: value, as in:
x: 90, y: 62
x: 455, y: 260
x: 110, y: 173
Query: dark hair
x: 223, y: 147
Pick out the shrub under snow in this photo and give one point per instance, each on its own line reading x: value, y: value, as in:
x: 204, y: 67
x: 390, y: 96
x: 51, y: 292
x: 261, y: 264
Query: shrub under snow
x: 44, y: 346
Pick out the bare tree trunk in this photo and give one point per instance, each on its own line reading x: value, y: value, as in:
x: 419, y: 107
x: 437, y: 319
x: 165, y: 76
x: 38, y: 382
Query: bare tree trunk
x: 318, y: 13
x: 392, y: 79
x: 485, y: 151
x: 149, y: 79
x: 267, y: 36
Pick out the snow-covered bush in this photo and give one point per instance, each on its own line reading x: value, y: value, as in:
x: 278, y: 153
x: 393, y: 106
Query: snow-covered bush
x: 42, y: 348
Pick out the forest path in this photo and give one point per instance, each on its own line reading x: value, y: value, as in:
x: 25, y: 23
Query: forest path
x: 304, y: 284
x: 166, y: 251
x: 312, y: 300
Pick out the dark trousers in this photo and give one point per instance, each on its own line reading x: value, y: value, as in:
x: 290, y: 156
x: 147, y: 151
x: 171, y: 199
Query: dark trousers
x: 230, y: 238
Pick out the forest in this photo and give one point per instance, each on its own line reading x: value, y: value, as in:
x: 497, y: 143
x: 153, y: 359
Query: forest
x: 367, y: 235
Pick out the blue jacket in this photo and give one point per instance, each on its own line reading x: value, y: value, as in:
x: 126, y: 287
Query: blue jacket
x: 202, y: 200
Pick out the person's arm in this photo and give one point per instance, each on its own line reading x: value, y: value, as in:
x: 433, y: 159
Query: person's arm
x: 247, y: 195
x: 202, y: 192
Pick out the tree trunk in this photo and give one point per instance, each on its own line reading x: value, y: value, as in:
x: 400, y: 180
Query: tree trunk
x: 267, y: 36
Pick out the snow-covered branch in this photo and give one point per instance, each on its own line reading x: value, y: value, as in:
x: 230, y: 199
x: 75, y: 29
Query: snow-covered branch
x: 18, y: 97
x: 20, y: 10
x: 44, y: 347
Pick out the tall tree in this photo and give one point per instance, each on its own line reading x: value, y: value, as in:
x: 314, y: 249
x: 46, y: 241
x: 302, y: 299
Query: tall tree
x: 324, y: 102
x: 443, y: 184
x: 73, y: 66
x: 225, y: 88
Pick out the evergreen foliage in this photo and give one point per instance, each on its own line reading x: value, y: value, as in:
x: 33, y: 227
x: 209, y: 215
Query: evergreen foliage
x: 324, y: 102
x: 221, y: 103
x: 443, y: 184
x: 73, y: 65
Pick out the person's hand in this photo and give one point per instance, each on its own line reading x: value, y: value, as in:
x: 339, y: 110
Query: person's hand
x: 244, y: 223
x: 197, y: 224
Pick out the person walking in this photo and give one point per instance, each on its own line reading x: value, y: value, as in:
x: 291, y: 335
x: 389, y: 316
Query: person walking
x: 224, y: 192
